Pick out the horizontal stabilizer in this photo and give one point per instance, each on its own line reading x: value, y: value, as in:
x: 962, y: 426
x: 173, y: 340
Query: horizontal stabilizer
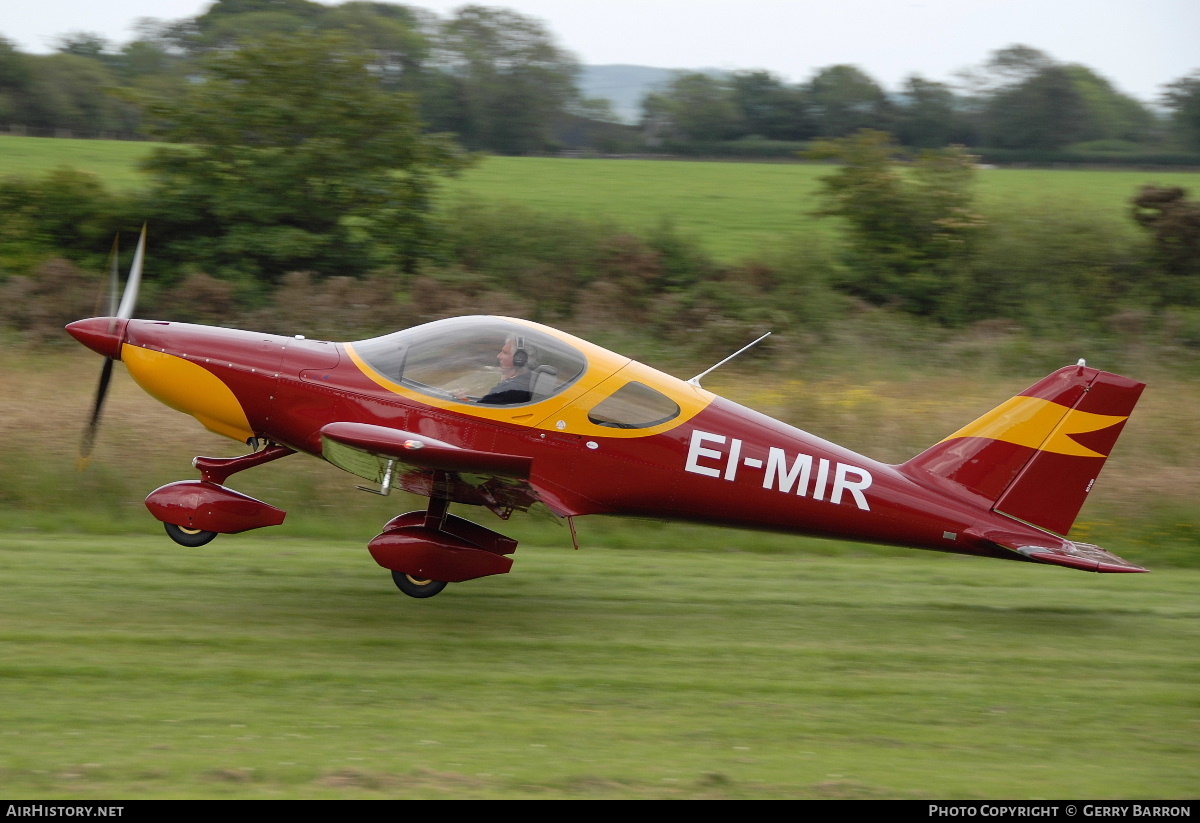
x: 1083, y: 556
x: 1050, y: 548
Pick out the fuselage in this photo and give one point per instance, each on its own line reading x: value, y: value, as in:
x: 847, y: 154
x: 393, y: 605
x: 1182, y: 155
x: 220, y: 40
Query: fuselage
x: 713, y: 461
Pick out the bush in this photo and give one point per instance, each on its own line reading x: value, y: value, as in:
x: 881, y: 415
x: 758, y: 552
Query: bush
x: 913, y: 233
x: 1173, y: 222
x: 65, y: 214
x: 57, y: 293
x: 1050, y: 267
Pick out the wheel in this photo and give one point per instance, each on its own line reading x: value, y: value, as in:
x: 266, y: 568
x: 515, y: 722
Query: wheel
x: 417, y: 586
x: 191, y: 538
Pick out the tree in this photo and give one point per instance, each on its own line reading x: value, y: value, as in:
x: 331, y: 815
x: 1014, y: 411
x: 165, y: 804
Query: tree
x: 398, y: 38
x: 84, y: 44
x: 929, y: 115
x: 70, y: 91
x: 1046, y: 111
x: 694, y: 106
x: 1111, y: 115
x: 769, y: 107
x: 64, y: 213
x: 502, y: 80
x: 1017, y: 64
x: 16, y: 77
x: 1023, y: 99
x: 1182, y: 96
x: 913, y: 232
x: 844, y: 99
x: 295, y: 160
x: 226, y: 22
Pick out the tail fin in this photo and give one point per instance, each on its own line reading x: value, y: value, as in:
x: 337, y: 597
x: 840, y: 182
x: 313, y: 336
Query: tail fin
x: 1037, y: 455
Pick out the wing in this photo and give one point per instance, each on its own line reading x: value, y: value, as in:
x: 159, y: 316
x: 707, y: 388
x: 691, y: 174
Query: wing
x: 422, y: 465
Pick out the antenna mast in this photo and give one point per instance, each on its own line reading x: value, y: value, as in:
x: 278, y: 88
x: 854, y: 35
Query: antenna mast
x: 695, y: 381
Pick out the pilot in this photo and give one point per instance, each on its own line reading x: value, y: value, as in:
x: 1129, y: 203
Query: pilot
x: 517, y: 359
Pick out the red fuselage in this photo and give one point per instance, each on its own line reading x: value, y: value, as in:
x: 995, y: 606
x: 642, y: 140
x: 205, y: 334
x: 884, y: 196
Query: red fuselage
x: 507, y: 414
x: 725, y: 465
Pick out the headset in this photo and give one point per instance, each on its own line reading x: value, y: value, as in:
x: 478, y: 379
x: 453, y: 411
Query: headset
x: 520, y: 356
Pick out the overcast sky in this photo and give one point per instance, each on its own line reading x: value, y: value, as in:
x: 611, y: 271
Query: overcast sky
x: 1137, y: 44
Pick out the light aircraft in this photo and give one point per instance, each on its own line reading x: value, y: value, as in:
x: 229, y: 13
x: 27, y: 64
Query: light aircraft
x: 507, y: 414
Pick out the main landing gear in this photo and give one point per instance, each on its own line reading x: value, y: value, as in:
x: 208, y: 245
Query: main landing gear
x: 425, y: 550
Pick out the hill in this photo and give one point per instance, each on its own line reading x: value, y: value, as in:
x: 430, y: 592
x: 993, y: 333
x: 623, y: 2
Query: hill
x: 625, y: 86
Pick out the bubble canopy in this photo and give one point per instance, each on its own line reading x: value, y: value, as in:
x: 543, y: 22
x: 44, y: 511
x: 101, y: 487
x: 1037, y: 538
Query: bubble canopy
x: 481, y: 360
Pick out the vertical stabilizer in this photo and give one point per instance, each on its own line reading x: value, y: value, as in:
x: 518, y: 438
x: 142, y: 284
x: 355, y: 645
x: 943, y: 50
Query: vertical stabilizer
x: 1037, y: 455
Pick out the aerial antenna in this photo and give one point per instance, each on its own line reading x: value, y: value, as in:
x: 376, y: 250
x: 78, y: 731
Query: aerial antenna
x: 695, y: 381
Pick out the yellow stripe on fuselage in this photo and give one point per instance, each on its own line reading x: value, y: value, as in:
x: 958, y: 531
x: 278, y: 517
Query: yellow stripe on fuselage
x: 190, y: 388
x: 1039, y: 424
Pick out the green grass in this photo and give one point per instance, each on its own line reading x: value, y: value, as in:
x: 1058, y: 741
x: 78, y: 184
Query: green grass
x: 259, y: 668
x: 747, y: 210
x: 115, y: 161
x: 736, y: 210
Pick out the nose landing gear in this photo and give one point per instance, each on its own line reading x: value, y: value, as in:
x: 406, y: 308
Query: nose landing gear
x: 192, y: 538
x: 195, y: 511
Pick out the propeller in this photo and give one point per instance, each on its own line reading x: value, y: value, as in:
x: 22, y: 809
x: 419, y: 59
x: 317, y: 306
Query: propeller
x: 124, y: 311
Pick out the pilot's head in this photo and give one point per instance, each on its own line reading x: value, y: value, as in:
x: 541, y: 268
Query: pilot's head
x: 517, y: 355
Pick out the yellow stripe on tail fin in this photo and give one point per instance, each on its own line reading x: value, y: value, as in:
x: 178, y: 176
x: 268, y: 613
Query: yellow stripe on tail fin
x: 1037, y: 455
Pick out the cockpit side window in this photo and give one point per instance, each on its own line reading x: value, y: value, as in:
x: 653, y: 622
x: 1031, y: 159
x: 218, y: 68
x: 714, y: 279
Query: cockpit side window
x: 480, y: 360
x: 634, y: 406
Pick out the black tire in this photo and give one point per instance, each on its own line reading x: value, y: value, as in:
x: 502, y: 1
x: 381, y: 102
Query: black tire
x: 192, y: 538
x: 416, y: 586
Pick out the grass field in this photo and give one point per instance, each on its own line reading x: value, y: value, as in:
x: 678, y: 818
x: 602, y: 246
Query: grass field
x: 115, y: 161
x: 736, y: 210
x: 259, y: 668
x: 743, y: 210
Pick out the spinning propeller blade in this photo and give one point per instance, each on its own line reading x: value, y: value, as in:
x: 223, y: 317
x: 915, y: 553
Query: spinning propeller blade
x: 114, y: 279
x: 122, y: 312
x: 89, y: 434
x: 135, y: 280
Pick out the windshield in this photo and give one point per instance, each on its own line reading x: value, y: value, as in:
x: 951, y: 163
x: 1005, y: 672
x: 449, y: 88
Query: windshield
x: 483, y: 360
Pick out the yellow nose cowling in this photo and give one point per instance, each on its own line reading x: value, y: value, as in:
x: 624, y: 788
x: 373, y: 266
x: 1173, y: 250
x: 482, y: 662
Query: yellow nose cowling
x: 190, y: 388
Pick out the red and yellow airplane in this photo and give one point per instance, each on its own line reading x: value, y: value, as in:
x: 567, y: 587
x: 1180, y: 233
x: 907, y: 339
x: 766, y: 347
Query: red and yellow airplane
x: 505, y: 414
